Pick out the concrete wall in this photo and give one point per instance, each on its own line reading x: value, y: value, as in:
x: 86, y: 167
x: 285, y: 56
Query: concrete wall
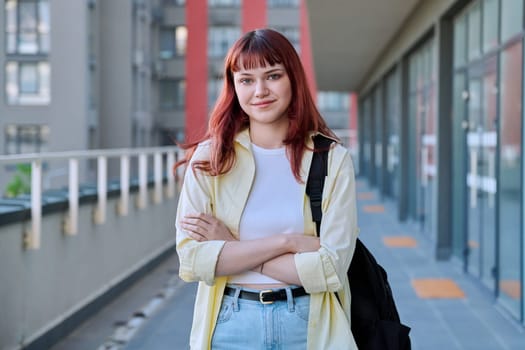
x: 421, y: 21
x: 116, y: 84
x: 40, y: 288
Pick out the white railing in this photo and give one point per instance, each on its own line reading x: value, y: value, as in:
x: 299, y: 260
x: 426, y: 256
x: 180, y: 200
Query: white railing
x: 31, y: 237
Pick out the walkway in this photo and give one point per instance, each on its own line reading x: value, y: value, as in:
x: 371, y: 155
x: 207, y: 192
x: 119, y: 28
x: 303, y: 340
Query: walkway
x: 445, y: 308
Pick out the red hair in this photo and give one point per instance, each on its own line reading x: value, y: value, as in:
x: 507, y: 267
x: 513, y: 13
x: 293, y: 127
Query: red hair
x: 255, y: 49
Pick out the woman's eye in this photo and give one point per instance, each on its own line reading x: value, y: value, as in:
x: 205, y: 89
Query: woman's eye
x: 245, y: 81
x: 274, y: 76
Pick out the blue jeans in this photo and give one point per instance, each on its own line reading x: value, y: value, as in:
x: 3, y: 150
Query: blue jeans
x: 247, y: 324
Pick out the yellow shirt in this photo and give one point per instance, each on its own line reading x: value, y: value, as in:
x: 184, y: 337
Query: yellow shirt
x: 322, y: 273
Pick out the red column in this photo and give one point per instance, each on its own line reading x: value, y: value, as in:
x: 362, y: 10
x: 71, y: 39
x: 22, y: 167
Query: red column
x: 196, y: 69
x: 253, y: 15
x: 306, y: 48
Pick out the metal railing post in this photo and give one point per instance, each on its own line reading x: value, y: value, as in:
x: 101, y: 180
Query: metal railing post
x: 102, y: 192
x: 32, y: 235
x: 143, y: 181
x: 157, y: 173
x: 71, y: 222
x: 123, y: 205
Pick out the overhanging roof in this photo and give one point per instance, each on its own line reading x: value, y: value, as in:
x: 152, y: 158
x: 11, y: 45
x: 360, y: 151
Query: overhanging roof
x: 348, y: 37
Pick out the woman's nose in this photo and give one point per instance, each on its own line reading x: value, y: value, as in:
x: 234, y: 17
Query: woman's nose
x: 260, y: 89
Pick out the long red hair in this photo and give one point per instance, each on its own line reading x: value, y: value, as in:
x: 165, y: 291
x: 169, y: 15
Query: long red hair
x: 255, y: 49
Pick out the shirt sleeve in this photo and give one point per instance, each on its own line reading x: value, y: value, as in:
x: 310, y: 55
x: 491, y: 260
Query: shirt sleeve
x: 326, y: 269
x: 197, y: 259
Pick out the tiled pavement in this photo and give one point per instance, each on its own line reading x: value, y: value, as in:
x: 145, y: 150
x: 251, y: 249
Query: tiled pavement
x: 446, y: 309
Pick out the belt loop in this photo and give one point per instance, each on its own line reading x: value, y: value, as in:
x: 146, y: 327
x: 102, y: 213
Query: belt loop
x: 289, y: 299
x: 236, y: 299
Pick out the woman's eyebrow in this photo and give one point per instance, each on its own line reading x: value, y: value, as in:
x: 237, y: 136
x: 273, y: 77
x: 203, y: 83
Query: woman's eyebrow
x: 273, y: 70
x: 265, y: 72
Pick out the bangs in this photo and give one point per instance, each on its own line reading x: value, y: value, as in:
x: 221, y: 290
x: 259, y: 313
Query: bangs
x: 253, y: 54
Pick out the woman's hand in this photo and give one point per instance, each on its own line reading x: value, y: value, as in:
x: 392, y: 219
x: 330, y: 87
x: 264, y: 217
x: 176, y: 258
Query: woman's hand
x: 205, y: 227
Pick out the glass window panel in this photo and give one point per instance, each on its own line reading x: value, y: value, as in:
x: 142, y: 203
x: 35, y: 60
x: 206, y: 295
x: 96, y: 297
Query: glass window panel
x: 283, y: 3
x: 11, y: 86
x: 44, y: 26
x: 172, y: 94
x: 11, y: 42
x: 28, y: 78
x: 224, y: 3
x: 490, y: 24
x: 28, y: 83
x: 174, y: 2
x: 511, y: 18
x: 28, y: 38
x: 220, y: 39
x: 510, y: 191
x: 460, y: 41
x: 43, y: 17
x: 44, y: 77
x: 474, y: 30
x: 214, y: 89
x: 10, y: 16
x: 167, y: 43
x: 181, y: 39
x: 292, y: 34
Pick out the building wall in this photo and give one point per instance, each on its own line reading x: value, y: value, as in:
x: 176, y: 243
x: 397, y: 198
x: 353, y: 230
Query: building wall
x: 43, y: 288
x: 448, y: 96
x: 116, y: 85
x: 420, y: 22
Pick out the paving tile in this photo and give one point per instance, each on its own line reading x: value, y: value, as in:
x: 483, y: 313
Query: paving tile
x: 437, y: 288
x: 374, y: 209
x: 365, y: 196
x: 400, y: 242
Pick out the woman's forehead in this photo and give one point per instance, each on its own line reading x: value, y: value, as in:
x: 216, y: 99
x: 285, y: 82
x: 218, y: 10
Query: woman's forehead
x: 247, y: 65
x: 252, y: 60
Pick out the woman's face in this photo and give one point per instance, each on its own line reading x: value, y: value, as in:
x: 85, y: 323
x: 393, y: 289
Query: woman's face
x: 264, y: 93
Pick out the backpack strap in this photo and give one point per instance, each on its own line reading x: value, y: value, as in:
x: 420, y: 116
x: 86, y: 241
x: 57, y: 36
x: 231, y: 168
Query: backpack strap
x: 316, y: 177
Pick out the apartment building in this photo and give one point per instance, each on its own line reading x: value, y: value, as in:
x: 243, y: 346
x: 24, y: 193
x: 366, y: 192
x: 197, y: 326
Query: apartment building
x: 111, y: 74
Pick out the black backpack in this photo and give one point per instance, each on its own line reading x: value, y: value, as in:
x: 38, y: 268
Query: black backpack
x: 375, y: 320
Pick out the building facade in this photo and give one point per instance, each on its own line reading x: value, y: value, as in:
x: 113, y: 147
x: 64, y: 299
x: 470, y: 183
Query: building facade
x: 441, y: 126
x: 112, y: 74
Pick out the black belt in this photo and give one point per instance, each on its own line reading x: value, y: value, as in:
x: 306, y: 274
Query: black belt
x: 266, y: 296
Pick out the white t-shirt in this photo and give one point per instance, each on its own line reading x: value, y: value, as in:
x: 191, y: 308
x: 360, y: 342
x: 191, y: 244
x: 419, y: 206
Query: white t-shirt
x: 274, y: 206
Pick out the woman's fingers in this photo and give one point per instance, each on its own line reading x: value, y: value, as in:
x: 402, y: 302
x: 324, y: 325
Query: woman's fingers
x: 207, y: 227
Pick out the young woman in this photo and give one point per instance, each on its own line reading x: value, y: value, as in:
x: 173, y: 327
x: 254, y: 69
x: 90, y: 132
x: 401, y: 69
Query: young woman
x: 244, y: 224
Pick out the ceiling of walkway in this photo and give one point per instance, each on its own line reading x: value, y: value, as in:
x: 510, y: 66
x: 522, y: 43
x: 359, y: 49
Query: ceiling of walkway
x: 348, y: 37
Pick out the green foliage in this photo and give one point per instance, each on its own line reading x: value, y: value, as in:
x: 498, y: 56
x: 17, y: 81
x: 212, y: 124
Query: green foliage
x: 21, y: 181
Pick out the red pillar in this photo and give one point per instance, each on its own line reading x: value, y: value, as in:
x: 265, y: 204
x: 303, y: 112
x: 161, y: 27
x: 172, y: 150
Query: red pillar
x: 196, y: 69
x: 254, y: 15
x: 306, y: 48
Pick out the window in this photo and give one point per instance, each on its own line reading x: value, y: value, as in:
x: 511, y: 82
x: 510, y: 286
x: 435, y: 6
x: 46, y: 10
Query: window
x: 27, y: 83
x: 224, y: 3
x: 173, y: 2
x: 283, y: 3
x: 172, y: 94
x: 27, y: 26
x: 292, y: 34
x: 173, y: 41
x: 26, y: 138
x: 214, y: 89
x: 220, y: 39
x: 333, y: 101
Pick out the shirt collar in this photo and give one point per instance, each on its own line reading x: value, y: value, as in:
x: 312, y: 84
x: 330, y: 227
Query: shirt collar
x: 244, y: 139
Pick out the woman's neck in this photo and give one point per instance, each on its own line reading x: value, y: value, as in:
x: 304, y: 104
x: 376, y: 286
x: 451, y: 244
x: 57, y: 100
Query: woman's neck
x: 268, y: 136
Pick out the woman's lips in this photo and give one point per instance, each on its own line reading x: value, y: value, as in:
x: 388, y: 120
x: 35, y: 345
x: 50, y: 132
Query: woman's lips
x: 262, y: 104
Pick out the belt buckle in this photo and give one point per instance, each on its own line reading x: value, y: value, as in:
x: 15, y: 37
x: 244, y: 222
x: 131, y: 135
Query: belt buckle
x: 261, y: 296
